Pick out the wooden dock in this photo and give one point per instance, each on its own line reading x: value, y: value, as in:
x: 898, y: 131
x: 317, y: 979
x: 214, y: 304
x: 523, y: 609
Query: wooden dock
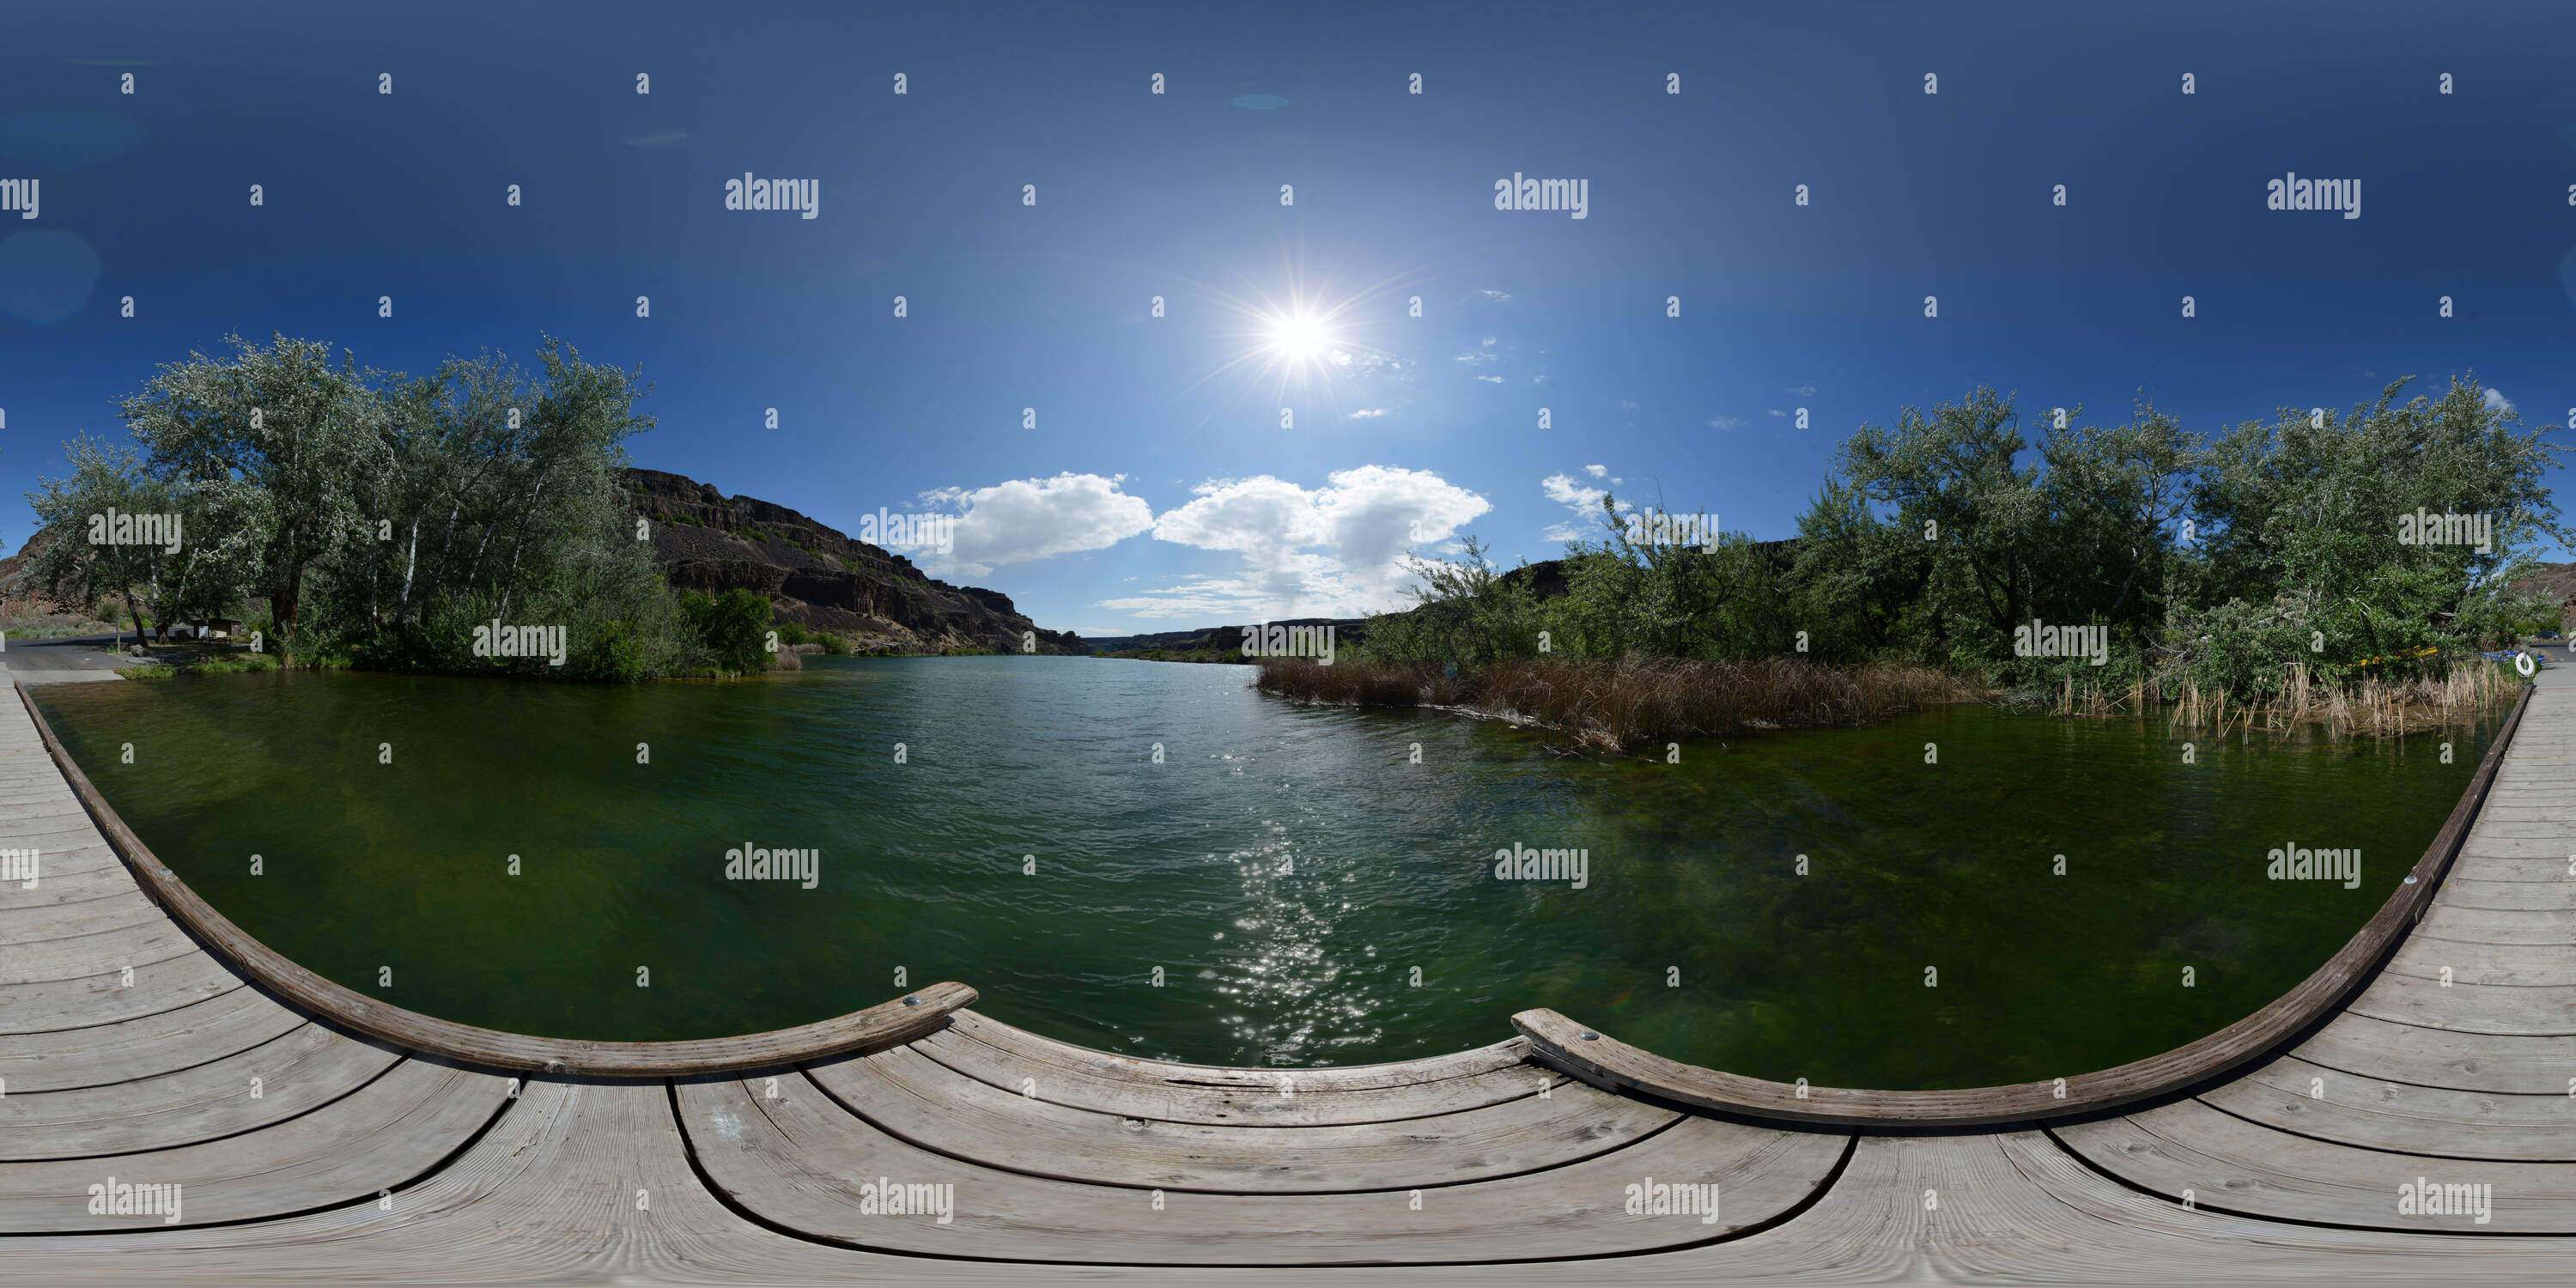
x: 318, y: 1134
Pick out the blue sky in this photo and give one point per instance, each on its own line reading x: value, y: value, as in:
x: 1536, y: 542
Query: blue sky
x: 1158, y: 489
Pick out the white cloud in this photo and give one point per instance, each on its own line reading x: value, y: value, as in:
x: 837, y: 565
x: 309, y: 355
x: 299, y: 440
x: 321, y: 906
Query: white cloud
x: 1596, y: 471
x: 1777, y: 412
x: 1562, y: 489
x: 1802, y: 390
x: 1368, y: 413
x: 1489, y: 342
x: 1495, y: 296
x: 1335, y: 550
x: 1474, y: 356
x: 1723, y: 422
x: 1627, y: 405
x: 1028, y: 519
x: 1491, y: 380
x: 2496, y: 401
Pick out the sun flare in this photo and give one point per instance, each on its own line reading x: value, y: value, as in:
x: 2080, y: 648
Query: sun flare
x: 1299, y: 337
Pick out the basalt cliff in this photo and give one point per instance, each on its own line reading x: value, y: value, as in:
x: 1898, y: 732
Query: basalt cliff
x: 706, y: 541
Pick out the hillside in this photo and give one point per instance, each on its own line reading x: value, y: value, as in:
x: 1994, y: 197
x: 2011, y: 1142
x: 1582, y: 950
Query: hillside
x: 814, y: 575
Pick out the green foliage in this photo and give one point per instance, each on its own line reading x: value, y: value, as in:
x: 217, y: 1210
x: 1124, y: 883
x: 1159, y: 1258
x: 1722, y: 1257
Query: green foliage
x: 732, y: 628
x: 2267, y: 557
x: 375, y: 518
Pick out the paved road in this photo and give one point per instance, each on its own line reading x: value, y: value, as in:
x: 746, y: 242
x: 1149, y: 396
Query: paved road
x: 69, y: 659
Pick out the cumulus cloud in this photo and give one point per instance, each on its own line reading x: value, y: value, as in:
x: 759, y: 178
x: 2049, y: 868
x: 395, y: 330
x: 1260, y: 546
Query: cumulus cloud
x: 2496, y: 401
x: 1028, y: 519
x: 1596, y: 471
x: 1562, y: 489
x: 1336, y: 550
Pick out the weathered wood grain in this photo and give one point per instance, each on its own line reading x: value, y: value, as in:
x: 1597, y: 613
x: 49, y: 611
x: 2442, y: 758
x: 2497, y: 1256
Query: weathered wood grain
x: 145, y: 1047
x: 913, y: 1098
x: 2362, y: 1046
x: 2240, y: 1166
x: 2329, y: 1104
x: 1015, y: 1060
x: 297, y: 1073
x: 799, y: 1160
x: 386, y: 1134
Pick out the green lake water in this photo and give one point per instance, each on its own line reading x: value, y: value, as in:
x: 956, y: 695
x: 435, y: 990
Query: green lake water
x: 1287, y: 868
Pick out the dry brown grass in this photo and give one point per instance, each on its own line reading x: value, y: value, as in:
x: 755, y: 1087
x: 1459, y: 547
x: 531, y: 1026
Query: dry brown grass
x: 2372, y: 707
x: 1623, y: 705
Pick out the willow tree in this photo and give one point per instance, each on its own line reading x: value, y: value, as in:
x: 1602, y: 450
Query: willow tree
x: 279, y: 443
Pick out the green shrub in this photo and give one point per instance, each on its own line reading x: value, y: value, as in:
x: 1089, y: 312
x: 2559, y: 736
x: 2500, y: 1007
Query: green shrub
x: 732, y: 628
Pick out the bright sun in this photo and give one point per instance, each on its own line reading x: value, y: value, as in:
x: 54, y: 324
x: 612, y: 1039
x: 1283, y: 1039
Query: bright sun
x: 1299, y: 338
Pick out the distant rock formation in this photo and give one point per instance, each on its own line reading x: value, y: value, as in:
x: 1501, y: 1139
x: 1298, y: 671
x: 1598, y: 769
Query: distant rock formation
x: 814, y: 575
x: 1217, y: 639
x: 2556, y: 580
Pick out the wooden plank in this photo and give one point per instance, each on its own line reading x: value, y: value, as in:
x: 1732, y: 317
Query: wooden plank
x: 910, y: 1096
x: 2539, y: 896
x: 2426, y: 955
x: 1605, y: 1061
x: 1158, y: 1074
x: 54, y: 1006
x: 2537, y: 1010
x: 2497, y: 925
x: 297, y: 1073
x: 35, y: 923
x: 2362, y: 1046
x: 548, y: 1195
x: 2239, y: 1166
x: 799, y: 1161
x: 148, y: 1046
x: 80, y: 956
x: 1286, y: 1102
x: 386, y: 1134
x: 2312, y: 1100
x: 898, y: 1020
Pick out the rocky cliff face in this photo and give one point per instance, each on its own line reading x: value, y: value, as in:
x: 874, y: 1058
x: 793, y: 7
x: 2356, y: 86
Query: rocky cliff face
x: 2556, y: 580
x: 814, y: 575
